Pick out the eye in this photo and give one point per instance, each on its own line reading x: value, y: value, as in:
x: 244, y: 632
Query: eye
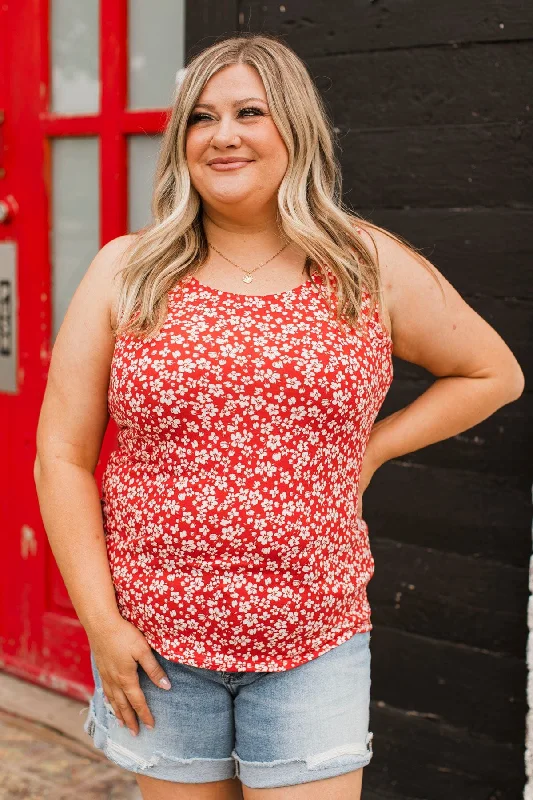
x: 195, y: 118
x: 252, y: 108
x: 199, y: 116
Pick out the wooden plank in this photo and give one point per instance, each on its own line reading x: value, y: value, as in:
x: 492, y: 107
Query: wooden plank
x: 450, y: 511
x: 368, y: 794
x: 501, y: 444
x: 450, y: 683
x: 436, y: 166
x: 510, y: 316
x: 422, y: 758
x: 206, y: 21
x: 451, y: 578
x: 449, y: 597
x: 313, y: 27
x: 64, y: 663
x: 480, y: 84
x: 479, y: 250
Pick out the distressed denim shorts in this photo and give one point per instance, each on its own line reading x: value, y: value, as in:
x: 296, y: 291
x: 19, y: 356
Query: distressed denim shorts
x: 264, y: 728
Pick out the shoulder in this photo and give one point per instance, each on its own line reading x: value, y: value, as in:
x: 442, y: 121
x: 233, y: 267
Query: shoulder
x: 402, y: 267
x: 108, y: 260
x: 84, y: 344
x: 377, y: 242
x: 97, y: 291
x: 406, y: 275
x: 433, y: 326
x: 106, y: 266
x: 73, y: 420
x: 383, y: 247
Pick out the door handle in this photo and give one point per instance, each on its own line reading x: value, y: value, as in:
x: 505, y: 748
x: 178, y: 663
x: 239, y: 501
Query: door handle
x: 8, y: 209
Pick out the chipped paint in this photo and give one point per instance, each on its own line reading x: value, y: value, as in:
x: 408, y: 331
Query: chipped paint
x: 28, y: 542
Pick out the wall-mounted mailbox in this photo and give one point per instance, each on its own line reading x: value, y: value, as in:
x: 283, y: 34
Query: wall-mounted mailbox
x: 8, y: 317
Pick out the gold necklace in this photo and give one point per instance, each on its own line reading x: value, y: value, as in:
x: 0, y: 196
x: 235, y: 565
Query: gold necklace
x: 247, y: 277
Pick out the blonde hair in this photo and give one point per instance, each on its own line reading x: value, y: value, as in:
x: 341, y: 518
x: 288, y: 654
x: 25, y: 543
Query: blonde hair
x: 310, y: 209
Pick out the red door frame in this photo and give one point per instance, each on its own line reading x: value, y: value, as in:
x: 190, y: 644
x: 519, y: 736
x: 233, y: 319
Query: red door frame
x: 40, y: 636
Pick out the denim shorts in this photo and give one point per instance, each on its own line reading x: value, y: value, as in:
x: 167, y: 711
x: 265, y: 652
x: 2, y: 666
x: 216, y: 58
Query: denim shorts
x: 265, y: 728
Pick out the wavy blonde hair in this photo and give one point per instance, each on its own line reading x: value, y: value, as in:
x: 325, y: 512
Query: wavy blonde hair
x: 310, y: 209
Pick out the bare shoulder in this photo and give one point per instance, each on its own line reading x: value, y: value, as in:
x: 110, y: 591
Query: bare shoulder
x: 99, y: 285
x: 107, y: 264
x: 409, y: 286
x: 95, y: 296
x: 432, y: 325
x: 373, y: 239
x: 74, y: 412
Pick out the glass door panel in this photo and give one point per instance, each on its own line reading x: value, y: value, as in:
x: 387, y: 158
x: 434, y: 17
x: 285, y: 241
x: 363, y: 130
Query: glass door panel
x: 142, y: 156
x: 74, y: 56
x: 75, y: 214
x: 156, y: 41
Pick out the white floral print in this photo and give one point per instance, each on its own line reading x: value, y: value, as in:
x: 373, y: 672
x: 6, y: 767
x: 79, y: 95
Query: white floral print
x: 229, y: 505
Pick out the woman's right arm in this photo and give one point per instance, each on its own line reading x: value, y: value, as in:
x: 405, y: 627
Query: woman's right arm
x: 72, y: 424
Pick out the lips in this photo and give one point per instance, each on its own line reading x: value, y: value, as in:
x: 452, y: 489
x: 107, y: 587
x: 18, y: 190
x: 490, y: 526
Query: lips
x: 219, y: 166
x: 229, y: 160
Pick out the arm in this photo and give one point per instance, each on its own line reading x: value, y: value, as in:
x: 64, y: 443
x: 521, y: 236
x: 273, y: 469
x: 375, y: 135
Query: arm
x: 72, y: 424
x: 435, y: 328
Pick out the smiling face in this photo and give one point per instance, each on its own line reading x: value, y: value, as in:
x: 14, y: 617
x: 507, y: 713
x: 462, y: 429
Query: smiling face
x: 231, y: 120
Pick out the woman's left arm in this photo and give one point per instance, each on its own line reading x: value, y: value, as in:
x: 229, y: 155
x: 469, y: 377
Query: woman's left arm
x: 433, y: 326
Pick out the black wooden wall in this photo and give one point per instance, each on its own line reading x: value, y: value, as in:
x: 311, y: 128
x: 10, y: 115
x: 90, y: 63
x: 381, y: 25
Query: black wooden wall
x: 433, y: 104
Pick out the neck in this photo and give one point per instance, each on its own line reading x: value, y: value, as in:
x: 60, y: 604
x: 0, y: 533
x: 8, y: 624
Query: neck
x: 236, y: 237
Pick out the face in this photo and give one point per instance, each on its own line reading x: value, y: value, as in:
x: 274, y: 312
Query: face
x: 231, y: 120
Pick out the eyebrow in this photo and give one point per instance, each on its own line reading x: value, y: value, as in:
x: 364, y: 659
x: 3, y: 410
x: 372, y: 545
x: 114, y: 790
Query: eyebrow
x: 236, y: 103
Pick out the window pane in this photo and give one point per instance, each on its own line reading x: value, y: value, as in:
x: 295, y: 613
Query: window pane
x: 156, y: 51
x: 74, y: 53
x: 75, y: 218
x: 142, y: 157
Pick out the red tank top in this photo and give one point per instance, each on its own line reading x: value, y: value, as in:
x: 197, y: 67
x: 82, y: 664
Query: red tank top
x: 230, y: 504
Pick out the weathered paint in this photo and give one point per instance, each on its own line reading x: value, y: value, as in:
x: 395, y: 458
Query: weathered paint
x: 40, y: 636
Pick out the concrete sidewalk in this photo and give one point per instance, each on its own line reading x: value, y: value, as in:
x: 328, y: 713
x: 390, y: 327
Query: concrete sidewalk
x: 45, y: 754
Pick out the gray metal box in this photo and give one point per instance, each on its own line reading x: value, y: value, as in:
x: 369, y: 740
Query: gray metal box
x: 8, y: 317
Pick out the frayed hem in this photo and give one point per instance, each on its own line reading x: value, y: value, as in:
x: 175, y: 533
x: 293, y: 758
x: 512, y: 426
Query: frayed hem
x: 294, y: 771
x: 159, y: 765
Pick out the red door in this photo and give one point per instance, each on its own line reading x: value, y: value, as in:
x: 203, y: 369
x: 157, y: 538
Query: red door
x: 84, y: 94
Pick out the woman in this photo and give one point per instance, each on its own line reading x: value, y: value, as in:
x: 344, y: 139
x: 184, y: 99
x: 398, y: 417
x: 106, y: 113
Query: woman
x: 245, y: 350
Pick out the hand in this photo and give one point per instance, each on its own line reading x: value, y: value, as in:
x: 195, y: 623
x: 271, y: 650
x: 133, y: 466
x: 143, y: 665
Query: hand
x: 118, y: 647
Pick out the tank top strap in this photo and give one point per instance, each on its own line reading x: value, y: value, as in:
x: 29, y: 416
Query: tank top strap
x: 317, y: 276
x: 366, y: 297
x: 368, y: 314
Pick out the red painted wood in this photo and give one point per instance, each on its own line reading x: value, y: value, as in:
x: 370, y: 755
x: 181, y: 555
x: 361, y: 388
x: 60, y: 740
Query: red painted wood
x: 23, y: 542
x: 144, y: 121
x: 113, y: 71
x: 6, y: 402
x: 40, y: 636
x: 55, y: 125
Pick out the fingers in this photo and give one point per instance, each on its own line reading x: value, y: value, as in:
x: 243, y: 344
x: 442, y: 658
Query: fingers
x: 117, y: 664
x: 137, y: 701
x: 109, y: 701
x: 154, y: 671
x: 122, y: 703
x: 128, y: 702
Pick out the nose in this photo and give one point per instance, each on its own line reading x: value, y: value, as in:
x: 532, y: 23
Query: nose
x: 225, y: 133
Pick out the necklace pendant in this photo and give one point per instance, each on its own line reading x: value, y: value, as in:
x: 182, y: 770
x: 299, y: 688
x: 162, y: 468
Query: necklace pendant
x: 247, y: 278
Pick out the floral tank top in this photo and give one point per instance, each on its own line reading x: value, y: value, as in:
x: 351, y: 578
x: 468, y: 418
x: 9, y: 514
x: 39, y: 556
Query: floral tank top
x: 230, y: 503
